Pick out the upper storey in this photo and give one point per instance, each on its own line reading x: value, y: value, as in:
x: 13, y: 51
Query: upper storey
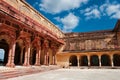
x: 27, y: 10
x: 92, y: 41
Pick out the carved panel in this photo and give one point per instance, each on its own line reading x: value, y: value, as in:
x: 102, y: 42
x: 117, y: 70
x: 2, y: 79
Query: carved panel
x: 93, y: 41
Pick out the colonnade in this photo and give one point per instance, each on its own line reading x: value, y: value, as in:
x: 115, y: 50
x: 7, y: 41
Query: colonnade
x: 23, y: 51
x: 95, y: 60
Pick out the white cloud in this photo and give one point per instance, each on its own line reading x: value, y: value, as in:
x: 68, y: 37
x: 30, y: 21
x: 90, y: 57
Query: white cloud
x: 57, y: 6
x: 57, y: 18
x: 69, y: 22
x: 91, y: 13
x: 111, y: 9
x: 107, y: 9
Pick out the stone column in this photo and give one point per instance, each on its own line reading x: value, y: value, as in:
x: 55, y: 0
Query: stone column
x: 39, y: 56
x: 88, y: 61
x: 99, y: 61
x: 54, y: 57
x: 27, y: 56
x: 111, y: 57
x: 46, y: 58
x: 46, y: 47
x: 11, y: 55
x: 78, y: 61
x: 54, y: 60
x: 37, y: 62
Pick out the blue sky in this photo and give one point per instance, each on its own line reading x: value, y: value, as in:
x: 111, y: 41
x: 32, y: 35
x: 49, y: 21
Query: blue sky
x: 79, y: 15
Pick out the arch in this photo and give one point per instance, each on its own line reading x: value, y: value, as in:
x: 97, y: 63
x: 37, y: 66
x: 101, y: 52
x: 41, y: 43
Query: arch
x: 19, y: 54
x: 73, y: 60
x: 84, y: 61
x: 4, y: 46
x: 94, y: 60
x: 116, y: 59
x: 105, y: 60
x: 6, y: 38
x: 33, y: 56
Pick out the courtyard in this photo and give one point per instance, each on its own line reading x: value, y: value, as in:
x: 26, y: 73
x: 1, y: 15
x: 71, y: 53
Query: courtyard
x: 73, y: 74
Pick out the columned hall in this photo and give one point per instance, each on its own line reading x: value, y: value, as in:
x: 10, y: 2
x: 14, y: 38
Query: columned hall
x: 24, y: 39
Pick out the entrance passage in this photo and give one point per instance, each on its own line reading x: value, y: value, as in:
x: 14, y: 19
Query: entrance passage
x: 33, y: 57
x: 94, y: 61
x: 105, y: 60
x: 84, y: 61
x: 116, y: 59
x: 17, y: 54
x: 4, y: 49
x: 73, y: 60
x: 2, y: 54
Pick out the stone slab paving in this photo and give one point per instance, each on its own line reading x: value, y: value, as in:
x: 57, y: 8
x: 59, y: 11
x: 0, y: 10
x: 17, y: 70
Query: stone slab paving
x: 74, y: 74
x: 6, y: 72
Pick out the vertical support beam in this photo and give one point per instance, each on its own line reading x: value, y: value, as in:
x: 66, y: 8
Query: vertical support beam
x: 11, y: 55
x: 111, y: 57
x: 78, y: 60
x: 99, y: 60
x: 27, y: 56
x: 46, y: 49
x: 54, y: 57
x: 46, y: 58
x: 39, y: 56
x: 88, y: 60
x: 37, y: 63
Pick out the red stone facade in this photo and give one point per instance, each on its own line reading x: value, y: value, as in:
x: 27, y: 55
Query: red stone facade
x: 26, y: 41
x: 28, y: 38
x: 100, y: 48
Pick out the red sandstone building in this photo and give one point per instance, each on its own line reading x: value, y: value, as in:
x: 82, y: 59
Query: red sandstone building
x: 28, y: 38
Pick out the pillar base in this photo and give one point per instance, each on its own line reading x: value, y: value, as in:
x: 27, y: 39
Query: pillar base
x: 37, y: 65
x: 46, y: 64
x: 26, y: 64
x: 10, y: 65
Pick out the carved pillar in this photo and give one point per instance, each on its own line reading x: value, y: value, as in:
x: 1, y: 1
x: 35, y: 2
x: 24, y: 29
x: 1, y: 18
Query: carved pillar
x: 54, y: 48
x: 99, y: 60
x: 46, y: 53
x: 37, y: 43
x: 11, y: 55
x: 88, y: 61
x: 111, y: 57
x: 54, y: 57
x: 53, y: 54
x: 37, y: 62
x: 27, y: 56
x: 78, y: 60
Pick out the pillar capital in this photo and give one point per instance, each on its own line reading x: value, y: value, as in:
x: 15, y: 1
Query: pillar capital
x: 46, y: 43
x: 36, y: 42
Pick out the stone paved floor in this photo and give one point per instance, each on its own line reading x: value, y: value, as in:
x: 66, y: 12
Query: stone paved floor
x: 74, y: 74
